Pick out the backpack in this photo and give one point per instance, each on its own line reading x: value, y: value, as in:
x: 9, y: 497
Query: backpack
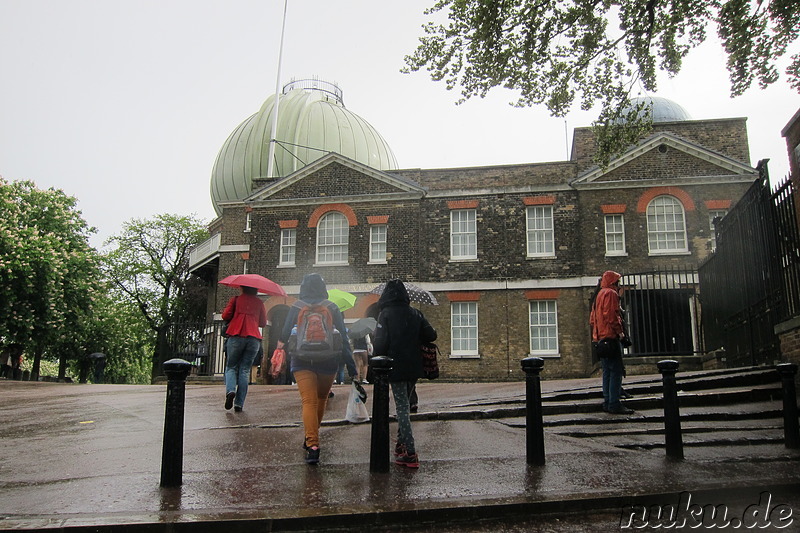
x: 317, y: 339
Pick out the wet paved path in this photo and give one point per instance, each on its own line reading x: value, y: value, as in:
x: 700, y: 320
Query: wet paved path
x: 88, y: 455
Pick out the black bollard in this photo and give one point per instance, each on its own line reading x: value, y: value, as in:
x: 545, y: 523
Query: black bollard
x: 172, y: 448
x: 379, y: 441
x: 791, y: 431
x: 672, y: 416
x: 534, y: 426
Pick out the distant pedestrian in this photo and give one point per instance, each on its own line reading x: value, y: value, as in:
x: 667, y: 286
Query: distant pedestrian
x: 313, y: 314
x: 246, y: 315
x: 362, y: 351
x: 401, y: 328
x: 608, y: 334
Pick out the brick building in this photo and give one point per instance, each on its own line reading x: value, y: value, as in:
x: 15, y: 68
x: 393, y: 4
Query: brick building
x: 511, y: 252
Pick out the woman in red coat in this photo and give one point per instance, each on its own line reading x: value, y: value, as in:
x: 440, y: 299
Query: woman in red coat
x: 246, y: 316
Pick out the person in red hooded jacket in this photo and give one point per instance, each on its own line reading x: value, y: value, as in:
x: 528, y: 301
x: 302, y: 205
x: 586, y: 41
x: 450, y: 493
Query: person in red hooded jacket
x: 608, y: 332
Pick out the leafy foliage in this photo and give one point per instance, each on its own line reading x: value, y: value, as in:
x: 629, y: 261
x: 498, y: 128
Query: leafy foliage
x: 48, y: 272
x: 148, y: 267
x: 557, y: 52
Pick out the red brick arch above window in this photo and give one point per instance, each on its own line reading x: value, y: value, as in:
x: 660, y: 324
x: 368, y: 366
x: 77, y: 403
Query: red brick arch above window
x: 462, y: 204
x: 344, y: 209
x: 463, y: 296
x: 682, y: 196
x: 718, y: 204
x: 542, y: 294
x: 539, y: 200
x: 613, y: 209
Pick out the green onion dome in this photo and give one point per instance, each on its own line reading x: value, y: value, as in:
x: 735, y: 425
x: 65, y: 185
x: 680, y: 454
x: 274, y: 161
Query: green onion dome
x: 312, y: 121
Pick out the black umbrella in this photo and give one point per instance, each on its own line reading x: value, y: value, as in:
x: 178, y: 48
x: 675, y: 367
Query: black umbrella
x: 361, y: 327
x: 415, y: 293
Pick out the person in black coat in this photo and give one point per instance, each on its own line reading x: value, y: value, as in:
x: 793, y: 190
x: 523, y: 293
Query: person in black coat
x: 400, y: 330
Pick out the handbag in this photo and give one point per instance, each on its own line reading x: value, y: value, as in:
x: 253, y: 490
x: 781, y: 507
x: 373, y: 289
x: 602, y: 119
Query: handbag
x: 278, y: 361
x: 356, y: 410
x: 605, y: 348
x: 430, y: 366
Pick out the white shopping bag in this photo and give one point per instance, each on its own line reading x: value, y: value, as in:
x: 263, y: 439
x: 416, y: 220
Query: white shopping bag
x: 356, y: 410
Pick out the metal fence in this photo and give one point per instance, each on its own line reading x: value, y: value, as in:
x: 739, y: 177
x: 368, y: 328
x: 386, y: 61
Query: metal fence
x: 662, y: 311
x: 752, y: 280
x: 199, y: 343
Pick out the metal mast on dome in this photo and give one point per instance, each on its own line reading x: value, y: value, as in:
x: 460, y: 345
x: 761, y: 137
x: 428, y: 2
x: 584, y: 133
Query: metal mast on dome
x: 271, y: 162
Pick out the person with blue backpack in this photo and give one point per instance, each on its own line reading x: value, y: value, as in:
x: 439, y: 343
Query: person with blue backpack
x: 315, y: 351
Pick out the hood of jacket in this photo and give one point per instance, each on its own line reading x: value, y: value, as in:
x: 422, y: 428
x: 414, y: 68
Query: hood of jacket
x: 395, y: 293
x: 609, y: 278
x: 313, y: 288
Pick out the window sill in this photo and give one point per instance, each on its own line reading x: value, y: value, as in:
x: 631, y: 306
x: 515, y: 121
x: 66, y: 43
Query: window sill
x: 315, y: 265
x: 463, y: 260
x: 377, y: 262
x: 286, y: 265
x: 617, y: 254
x: 534, y: 257
x: 465, y: 356
x: 546, y: 355
x: 669, y: 252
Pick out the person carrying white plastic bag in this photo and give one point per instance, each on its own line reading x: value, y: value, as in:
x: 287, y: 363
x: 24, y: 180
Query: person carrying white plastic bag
x: 357, y: 412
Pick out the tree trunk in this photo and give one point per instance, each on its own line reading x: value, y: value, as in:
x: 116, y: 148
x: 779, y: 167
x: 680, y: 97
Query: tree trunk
x: 37, y: 360
x: 160, y: 354
x: 62, y: 367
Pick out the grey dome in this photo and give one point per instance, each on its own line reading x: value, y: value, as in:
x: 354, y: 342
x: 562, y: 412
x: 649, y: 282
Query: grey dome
x: 312, y: 121
x: 662, y: 110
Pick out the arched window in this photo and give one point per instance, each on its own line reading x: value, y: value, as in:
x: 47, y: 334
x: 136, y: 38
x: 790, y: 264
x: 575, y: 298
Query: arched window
x: 333, y: 234
x: 666, y: 226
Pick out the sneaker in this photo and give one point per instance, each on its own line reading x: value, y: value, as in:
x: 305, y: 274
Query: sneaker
x: 399, y: 450
x: 229, y: 400
x: 621, y: 410
x: 237, y: 408
x: 413, y: 408
x: 410, y: 461
x: 312, y: 455
x: 625, y: 395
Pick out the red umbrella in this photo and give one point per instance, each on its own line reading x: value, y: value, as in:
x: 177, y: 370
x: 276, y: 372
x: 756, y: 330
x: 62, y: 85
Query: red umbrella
x: 262, y: 284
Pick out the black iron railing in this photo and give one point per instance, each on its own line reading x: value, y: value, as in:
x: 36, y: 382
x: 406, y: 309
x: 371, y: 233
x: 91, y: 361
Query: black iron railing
x: 752, y: 281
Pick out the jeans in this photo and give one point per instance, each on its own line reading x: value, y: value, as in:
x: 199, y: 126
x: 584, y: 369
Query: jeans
x: 314, y: 389
x: 612, y: 380
x: 242, y: 352
x: 402, y: 391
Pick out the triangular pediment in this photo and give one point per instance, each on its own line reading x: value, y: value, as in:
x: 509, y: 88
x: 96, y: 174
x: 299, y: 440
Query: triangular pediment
x: 335, y: 177
x: 699, y: 162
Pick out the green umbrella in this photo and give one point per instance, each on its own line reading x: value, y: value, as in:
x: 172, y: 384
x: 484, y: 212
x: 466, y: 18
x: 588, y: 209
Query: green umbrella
x: 344, y: 300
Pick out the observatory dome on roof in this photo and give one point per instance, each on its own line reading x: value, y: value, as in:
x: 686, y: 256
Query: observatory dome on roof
x: 312, y: 122
x: 661, y: 110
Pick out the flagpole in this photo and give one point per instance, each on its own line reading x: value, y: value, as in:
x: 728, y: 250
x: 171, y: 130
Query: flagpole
x: 271, y: 162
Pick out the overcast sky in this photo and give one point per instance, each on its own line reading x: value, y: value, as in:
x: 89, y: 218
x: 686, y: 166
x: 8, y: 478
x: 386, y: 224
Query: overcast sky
x: 124, y: 104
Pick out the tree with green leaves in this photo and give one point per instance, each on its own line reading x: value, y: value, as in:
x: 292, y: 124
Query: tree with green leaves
x: 120, y: 332
x: 558, y: 52
x: 148, y: 266
x: 49, y: 274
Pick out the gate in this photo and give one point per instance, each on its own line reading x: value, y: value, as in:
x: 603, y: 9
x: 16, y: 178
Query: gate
x: 662, y: 312
x: 752, y: 281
